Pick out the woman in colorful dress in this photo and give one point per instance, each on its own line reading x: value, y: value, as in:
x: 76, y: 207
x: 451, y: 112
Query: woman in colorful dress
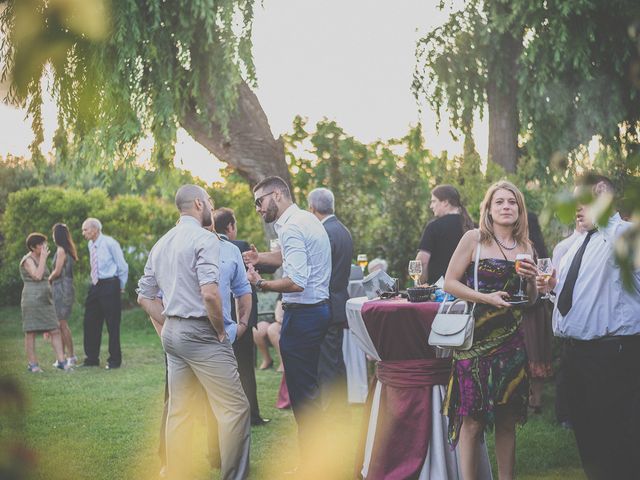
x: 489, y: 383
x: 61, y: 280
x: 38, y: 314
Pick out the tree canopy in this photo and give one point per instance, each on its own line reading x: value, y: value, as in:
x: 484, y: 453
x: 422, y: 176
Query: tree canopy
x: 123, y: 70
x: 574, y: 66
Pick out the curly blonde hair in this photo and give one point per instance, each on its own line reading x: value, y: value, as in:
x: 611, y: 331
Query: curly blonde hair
x: 520, y: 228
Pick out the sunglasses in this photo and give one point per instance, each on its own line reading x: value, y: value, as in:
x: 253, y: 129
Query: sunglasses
x: 258, y: 200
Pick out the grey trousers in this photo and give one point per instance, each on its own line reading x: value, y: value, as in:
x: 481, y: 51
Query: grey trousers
x: 195, y: 357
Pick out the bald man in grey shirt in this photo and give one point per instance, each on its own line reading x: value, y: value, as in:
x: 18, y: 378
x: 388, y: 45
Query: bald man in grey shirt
x: 184, y: 265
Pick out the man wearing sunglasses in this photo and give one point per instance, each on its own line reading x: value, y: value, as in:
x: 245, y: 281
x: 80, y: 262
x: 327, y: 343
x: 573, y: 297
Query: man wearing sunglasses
x: 305, y: 257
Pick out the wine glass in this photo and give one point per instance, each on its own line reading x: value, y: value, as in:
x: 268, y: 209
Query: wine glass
x: 519, y: 258
x: 362, y: 261
x: 415, y: 271
x: 545, y: 267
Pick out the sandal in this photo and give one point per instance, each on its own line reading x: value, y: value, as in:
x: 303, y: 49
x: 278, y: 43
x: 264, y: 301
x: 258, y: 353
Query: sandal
x: 267, y: 366
x: 34, y: 368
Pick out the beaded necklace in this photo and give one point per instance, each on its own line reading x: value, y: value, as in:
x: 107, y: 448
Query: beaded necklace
x: 500, y: 244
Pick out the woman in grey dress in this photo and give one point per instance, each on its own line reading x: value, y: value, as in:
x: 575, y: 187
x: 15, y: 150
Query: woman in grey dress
x: 61, y: 280
x: 38, y: 314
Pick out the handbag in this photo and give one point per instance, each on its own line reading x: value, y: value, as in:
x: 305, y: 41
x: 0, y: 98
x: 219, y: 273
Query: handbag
x: 455, y: 330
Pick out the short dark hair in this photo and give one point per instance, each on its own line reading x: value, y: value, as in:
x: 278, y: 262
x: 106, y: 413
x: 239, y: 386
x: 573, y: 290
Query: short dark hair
x: 592, y: 180
x: 274, y: 182
x: 222, y: 218
x: 34, y: 239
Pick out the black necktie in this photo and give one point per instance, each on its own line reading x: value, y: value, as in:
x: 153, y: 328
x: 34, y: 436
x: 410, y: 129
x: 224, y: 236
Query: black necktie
x: 565, y: 300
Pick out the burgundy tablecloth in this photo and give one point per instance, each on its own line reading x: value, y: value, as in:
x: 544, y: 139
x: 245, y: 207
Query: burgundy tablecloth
x: 399, y: 329
x: 407, y: 371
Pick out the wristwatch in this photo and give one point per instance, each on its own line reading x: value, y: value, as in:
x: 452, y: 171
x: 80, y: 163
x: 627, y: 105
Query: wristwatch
x: 259, y: 284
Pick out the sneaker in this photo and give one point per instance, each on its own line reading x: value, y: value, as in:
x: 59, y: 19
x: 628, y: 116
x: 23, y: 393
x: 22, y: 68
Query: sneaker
x: 72, y: 361
x: 34, y: 368
x: 62, y: 366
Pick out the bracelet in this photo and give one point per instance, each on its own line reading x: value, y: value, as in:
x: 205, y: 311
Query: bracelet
x: 259, y: 284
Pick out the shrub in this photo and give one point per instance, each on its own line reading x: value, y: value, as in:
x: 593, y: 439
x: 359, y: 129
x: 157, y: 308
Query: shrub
x: 136, y: 222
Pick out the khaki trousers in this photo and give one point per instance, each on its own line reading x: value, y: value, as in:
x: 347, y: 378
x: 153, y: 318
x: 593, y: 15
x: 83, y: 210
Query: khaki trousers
x: 195, y: 357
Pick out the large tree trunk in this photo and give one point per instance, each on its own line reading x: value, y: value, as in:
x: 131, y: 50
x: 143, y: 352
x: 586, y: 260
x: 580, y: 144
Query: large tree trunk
x: 250, y: 147
x: 502, y: 97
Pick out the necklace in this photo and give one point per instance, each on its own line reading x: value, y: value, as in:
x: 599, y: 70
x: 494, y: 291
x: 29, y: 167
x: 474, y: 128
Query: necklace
x: 515, y: 244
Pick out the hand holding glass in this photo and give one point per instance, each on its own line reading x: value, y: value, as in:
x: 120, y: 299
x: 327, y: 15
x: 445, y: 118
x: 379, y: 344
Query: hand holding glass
x: 415, y: 271
x: 545, y: 268
x: 519, y: 258
x: 362, y: 261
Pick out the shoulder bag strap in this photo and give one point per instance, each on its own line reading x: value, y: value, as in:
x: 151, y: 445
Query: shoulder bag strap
x: 475, y: 272
x: 475, y: 280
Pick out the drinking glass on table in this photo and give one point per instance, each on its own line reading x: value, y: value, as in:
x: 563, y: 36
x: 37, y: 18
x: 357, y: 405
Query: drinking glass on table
x: 519, y: 258
x: 415, y: 271
x: 545, y: 268
x: 362, y: 261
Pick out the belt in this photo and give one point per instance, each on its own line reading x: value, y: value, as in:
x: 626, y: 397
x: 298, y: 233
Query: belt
x: 296, y: 306
x: 201, y: 319
x: 105, y: 280
x: 602, y: 340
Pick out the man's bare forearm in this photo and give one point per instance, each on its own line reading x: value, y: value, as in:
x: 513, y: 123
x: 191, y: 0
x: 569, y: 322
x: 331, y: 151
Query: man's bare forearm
x: 282, y: 285
x: 153, y: 308
x: 243, y: 308
x: 273, y: 259
x: 213, y: 304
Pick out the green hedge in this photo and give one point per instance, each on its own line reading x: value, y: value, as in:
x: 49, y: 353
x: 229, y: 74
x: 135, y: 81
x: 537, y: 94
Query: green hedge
x: 136, y: 222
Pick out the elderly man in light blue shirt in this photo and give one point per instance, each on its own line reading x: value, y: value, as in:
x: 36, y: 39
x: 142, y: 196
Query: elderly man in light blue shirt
x: 306, y: 262
x: 185, y: 265
x: 600, y: 321
x: 108, y: 273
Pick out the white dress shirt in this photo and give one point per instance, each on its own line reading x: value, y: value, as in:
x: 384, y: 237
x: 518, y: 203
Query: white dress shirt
x: 306, y: 255
x: 111, y: 262
x: 563, y: 247
x: 601, y: 304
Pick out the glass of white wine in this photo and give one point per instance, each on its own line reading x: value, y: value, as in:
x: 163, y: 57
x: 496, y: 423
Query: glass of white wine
x: 415, y: 271
x: 362, y: 261
x: 519, y: 258
x: 545, y: 267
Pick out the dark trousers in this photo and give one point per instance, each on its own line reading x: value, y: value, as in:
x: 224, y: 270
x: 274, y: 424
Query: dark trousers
x: 603, y: 389
x: 561, y: 407
x: 302, y: 333
x: 103, y: 304
x: 332, y: 375
x: 243, y: 348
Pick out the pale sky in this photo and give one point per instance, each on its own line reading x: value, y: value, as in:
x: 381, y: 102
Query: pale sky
x: 349, y: 61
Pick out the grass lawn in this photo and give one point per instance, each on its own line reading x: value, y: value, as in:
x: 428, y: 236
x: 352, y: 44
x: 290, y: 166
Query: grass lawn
x: 99, y: 424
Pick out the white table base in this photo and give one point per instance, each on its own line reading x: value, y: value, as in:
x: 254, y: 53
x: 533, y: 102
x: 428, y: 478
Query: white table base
x: 355, y: 362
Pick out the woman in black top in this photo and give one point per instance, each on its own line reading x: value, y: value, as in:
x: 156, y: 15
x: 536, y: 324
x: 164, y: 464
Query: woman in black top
x: 441, y: 235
